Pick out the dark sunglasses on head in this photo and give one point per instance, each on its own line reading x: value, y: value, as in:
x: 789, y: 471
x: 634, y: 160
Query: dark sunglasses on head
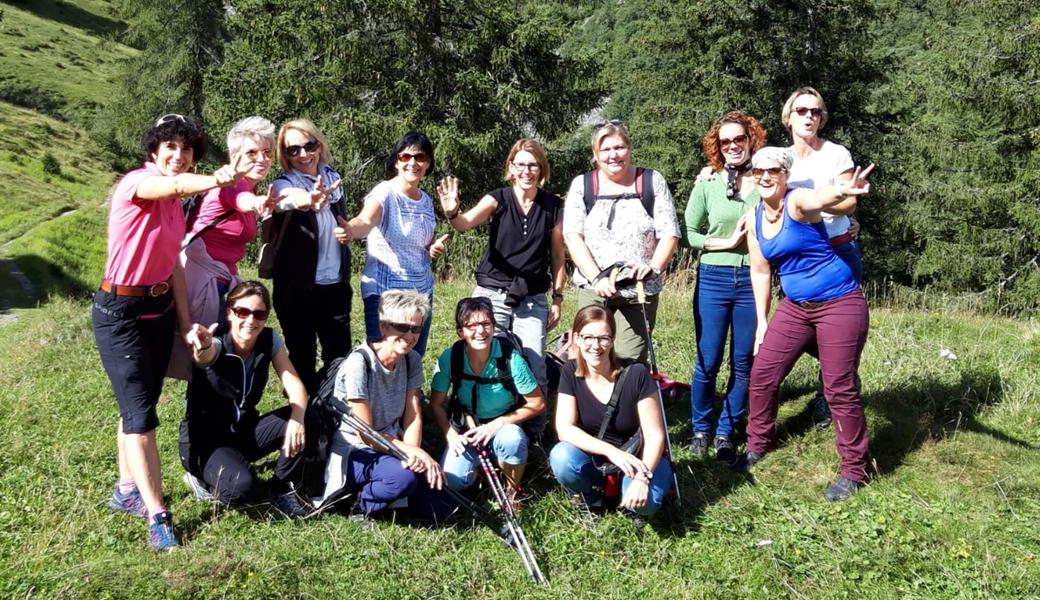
x: 169, y: 118
x: 310, y: 146
x: 242, y: 313
x: 614, y: 122
x: 740, y: 139
x: 801, y: 111
x: 774, y: 171
x: 403, y: 328
x: 420, y: 158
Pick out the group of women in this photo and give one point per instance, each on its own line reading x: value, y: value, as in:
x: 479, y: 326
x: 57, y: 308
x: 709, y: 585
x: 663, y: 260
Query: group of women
x: 167, y: 279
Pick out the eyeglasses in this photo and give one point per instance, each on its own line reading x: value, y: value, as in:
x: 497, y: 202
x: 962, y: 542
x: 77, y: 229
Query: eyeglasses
x: 774, y: 171
x: 740, y: 140
x: 243, y: 313
x: 294, y: 151
x: 590, y: 340
x: 527, y: 166
x: 478, y: 325
x: 169, y: 118
x: 255, y: 154
x: 404, y: 328
x: 421, y: 157
x: 802, y: 111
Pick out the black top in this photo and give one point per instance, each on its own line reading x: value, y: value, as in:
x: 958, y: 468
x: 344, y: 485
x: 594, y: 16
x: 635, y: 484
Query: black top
x: 296, y: 263
x: 226, y: 393
x: 638, y: 385
x: 518, y: 244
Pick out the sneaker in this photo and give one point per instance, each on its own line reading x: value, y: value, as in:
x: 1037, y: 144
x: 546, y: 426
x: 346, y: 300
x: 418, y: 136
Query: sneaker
x: 131, y: 503
x: 744, y: 463
x: 160, y: 532
x: 290, y: 506
x: 841, y: 489
x: 699, y: 445
x: 724, y: 451
x: 198, y: 487
x: 821, y: 412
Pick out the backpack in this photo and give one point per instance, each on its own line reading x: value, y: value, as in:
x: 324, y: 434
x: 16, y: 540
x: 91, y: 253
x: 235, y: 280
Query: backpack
x: 508, y: 343
x: 644, y: 192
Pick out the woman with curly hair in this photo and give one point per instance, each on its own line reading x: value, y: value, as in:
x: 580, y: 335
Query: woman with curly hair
x: 723, y: 302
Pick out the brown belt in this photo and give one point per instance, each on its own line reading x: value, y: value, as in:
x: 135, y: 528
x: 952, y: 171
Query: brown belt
x: 841, y: 239
x: 136, y: 290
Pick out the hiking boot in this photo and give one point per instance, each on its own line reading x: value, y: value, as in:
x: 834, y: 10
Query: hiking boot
x: 724, y: 452
x: 130, y: 502
x: 160, y: 532
x: 821, y: 412
x: 841, y: 489
x: 515, y: 497
x: 198, y: 488
x: 745, y: 462
x: 289, y: 504
x: 700, y: 443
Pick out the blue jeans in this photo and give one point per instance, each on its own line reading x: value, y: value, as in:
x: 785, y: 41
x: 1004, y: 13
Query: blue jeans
x: 509, y: 446
x: 849, y: 252
x: 576, y: 471
x: 372, y: 332
x: 723, y: 306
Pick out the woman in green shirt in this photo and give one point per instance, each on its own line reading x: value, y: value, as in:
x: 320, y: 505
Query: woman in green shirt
x: 723, y: 302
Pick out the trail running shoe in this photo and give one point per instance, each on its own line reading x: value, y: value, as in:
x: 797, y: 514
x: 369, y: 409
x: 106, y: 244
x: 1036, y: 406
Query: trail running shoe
x: 289, y: 504
x: 700, y: 443
x: 744, y: 463
x: 160, y: 533
x: 821, y: 412
x: 131, y: 503
x: 724, y: 452
x: 198, y: 487
x: 841, y: 489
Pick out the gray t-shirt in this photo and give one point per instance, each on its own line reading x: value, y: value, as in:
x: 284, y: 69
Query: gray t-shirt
x: 384, y: 390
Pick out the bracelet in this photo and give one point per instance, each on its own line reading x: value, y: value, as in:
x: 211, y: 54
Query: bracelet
x: 452, y: 216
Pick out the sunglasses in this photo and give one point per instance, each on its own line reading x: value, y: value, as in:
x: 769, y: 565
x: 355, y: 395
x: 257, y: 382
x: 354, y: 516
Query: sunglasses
x: 739, y: 140
x: 404, y: 328
x: 774, y: 171
x: 802, y: 111
x: 255, y: 154
x: 613, y: 122
x: 294, y: 151
x: 169, y: 118
x: 420, y: 158
x: 243, y: 313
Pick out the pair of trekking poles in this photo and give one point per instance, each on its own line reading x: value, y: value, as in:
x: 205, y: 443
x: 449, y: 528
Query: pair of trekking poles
x: 509, y: 531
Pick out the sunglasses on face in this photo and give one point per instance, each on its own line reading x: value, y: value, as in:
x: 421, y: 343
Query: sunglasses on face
x: 420, y: 158
x: 802, y: 111
x: 403, y: 328
x: 244, y: 313
x: 311, y: 146
x: 591, y: 340
x: 168, y: 119
x: 774, y: 171
x: 740, y: 140
x: 253, y: 155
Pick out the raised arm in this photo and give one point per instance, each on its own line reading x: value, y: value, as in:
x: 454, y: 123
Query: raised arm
x: 809, y: 203
x: 161, y: 187
x: 448, y: 193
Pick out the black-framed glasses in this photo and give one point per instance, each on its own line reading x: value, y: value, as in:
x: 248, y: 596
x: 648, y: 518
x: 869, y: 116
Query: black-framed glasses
x: 773, y: 171
x: 244, y: 313
x: 802, y: 111
x: 403, y: 328
x: 168, y: 118
x: 310, y: 146
x: 603, y: 341
x: 527, y: 166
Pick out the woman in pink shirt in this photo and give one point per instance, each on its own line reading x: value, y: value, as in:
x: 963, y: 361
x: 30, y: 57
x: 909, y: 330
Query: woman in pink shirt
x: 139, y: 301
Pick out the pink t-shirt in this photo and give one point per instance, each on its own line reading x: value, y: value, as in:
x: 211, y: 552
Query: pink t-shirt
x: 144, y: 236
x: 227, y: 241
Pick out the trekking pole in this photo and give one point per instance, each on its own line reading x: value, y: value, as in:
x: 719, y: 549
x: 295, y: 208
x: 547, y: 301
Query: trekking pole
x: 641, y: 297
x: 520, y: 544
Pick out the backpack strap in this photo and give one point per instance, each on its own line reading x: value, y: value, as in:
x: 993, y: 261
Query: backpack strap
x: 504, y: 376
x: 591, y: 190
x: 224, y: 216
x: 612, y: 405
x: 645, y: 189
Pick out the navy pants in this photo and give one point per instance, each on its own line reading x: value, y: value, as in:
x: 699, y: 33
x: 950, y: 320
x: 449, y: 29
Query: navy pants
x: 723, y: 308
x: 380, y: 480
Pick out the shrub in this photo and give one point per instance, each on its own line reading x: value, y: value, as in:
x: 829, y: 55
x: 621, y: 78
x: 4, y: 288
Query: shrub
x: 51, y: 166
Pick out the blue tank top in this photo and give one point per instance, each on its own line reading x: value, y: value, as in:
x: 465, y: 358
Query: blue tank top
x: 809, y: 269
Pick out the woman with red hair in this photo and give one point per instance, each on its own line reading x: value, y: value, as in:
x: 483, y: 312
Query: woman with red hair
x: 723, y: 302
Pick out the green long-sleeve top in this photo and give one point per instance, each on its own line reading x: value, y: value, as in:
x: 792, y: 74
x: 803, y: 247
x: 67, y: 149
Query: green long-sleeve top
x: 709, y: 206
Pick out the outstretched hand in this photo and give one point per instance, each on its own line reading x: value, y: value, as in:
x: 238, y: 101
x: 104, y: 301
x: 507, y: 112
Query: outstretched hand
x: 448, y: 193
x: 200, y: 338
x: 858, y: 185
x: 233, y: 171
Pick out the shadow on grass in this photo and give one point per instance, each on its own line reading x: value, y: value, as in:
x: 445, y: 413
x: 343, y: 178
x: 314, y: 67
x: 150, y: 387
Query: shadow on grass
x: 29, y: 280
x: 70, y: 14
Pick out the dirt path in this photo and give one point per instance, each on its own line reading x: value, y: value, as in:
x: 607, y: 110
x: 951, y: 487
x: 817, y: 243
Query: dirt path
x: 16, y: 290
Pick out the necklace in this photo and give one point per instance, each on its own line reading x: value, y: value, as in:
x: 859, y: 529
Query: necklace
x: 776, y: 216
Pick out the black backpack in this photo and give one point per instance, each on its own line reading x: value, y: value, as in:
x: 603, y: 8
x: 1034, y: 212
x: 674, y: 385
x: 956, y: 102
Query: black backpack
x: 644, y: 192
x: 508, y: 344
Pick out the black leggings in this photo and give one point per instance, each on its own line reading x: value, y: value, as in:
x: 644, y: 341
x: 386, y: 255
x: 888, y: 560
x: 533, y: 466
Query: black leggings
x: 223, y: 459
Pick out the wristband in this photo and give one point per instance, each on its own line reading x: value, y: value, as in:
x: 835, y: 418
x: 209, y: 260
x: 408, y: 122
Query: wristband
x: 452, y: 215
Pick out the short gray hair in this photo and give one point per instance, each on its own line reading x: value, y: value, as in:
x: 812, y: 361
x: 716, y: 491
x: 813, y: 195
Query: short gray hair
x: 257, y: 128
x: 780, y: 155
x: 397, y: 306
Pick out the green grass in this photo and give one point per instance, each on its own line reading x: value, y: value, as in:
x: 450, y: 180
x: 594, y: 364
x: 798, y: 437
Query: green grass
x: 59, y: 56
x: 951, y: 514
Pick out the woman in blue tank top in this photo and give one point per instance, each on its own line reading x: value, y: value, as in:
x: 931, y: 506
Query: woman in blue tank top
x: 822, y: 302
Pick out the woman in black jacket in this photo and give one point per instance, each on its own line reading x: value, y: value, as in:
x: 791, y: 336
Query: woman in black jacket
x: 222, y: 432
